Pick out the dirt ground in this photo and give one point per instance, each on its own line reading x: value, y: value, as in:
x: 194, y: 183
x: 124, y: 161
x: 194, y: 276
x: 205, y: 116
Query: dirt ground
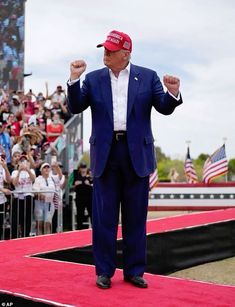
x: 222, y: 272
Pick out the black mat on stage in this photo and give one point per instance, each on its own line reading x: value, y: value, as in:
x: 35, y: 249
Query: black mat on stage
x: 170, y: 251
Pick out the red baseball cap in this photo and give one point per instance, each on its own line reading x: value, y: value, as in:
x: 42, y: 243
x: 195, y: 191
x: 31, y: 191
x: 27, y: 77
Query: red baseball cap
x: 116, y: 41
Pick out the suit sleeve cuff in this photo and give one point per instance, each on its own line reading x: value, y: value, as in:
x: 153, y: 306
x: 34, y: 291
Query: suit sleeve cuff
x: 176, y: 98
x: 71, y: 82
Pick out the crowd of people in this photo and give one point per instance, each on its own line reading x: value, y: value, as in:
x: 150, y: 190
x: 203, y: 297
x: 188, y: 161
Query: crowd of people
x: 11, y: 43
x: 29, y: 124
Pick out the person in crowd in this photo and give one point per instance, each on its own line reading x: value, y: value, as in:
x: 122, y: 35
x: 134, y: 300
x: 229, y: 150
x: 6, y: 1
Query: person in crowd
x: 82, y: 184
x: 55, y: 128
x: 33, y: 119
x: 22, y: 209
x: 14, y: 124
x: 4, y: 111
x: 15, y: 157
x: 11, y: 44
x: 5, y: 142
x: 42, y: 129
x: 60, y: 183
x: 173, y: 175
x: 44, y: 205
x: 4, y: 106
x: 29, y: 105
x: 47, y: 115
x: 58, y: 103
x: 5, y: 177
x: 58, y: 97
x: 35, y: 158
x: 16, y: 107
x: 21, y: 96
x: 40, y: 98
x: 121, y: 97
x: 45, y: 147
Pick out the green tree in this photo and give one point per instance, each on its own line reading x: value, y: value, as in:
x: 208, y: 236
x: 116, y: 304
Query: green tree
x: 160, y: 155
x: 199, y: 164
x: 231, y: 168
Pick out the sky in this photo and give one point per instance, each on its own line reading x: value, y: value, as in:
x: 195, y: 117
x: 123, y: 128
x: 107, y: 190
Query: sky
x: 191, y: 39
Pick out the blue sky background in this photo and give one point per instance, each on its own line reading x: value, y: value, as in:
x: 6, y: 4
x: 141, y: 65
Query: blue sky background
x: 192, y: 39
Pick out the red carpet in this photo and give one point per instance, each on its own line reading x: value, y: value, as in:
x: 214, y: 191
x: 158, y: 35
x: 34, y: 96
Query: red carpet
x: 73, y: 284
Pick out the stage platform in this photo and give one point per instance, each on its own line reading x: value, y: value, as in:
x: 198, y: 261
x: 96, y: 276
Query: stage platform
x: 64, y: 283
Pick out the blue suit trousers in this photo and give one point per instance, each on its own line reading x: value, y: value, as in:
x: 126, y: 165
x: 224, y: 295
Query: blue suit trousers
x: 120, y: 187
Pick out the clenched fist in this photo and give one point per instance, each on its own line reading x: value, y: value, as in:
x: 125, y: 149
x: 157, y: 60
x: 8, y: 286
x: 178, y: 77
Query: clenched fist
x: 172, y: 84
x: 76, y: 69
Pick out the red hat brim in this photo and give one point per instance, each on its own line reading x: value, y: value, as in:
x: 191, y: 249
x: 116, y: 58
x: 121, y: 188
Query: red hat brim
x: 110, y: 46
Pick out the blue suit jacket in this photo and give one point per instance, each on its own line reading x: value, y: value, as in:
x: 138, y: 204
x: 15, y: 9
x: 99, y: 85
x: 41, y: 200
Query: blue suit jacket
x: 144, y: 92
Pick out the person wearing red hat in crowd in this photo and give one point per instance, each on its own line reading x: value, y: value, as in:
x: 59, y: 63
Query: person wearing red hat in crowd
x: 121, y: 97
x: 22, y: 178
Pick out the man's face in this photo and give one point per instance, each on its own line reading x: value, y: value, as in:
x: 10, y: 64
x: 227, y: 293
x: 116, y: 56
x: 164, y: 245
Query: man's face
x: 83, y: 171
x: 16, y: 102
x: 16, y: 157
x: 46, y: 170
x: 115, y: 60
x: 11, y: 118
x: 59, y: 90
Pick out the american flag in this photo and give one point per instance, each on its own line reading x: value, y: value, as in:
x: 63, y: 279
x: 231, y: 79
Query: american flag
x: 153, y: 179
x: 215, y: 165
x: 189, y: 169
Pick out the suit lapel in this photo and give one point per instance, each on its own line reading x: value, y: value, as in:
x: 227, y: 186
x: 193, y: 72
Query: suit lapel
x: 107, y: 91
x: 134, y: 82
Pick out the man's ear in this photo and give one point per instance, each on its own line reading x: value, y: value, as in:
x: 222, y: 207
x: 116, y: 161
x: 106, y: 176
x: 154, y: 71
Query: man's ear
x: 126, y: 54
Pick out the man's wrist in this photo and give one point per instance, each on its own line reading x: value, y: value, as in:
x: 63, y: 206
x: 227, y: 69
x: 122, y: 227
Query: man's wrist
x: 175, y: 95
x: 71, y: 82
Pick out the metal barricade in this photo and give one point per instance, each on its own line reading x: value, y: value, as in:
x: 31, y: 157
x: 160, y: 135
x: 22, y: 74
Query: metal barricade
x: 69, y: 150
x: 17, y: 215
x: 2, y: 219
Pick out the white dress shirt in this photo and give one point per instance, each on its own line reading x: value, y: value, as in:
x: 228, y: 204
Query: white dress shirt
x: 119, y: 92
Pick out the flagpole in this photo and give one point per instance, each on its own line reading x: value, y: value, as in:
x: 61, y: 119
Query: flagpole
x: 188, y: 142
x: 226, y: 175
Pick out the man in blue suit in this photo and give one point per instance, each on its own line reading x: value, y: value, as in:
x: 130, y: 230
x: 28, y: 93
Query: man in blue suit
x: 121, y: 97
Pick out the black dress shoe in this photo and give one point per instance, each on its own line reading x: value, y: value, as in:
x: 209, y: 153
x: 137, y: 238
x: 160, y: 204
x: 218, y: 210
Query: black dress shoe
x: 137, y: 281
x: 103, y: 282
